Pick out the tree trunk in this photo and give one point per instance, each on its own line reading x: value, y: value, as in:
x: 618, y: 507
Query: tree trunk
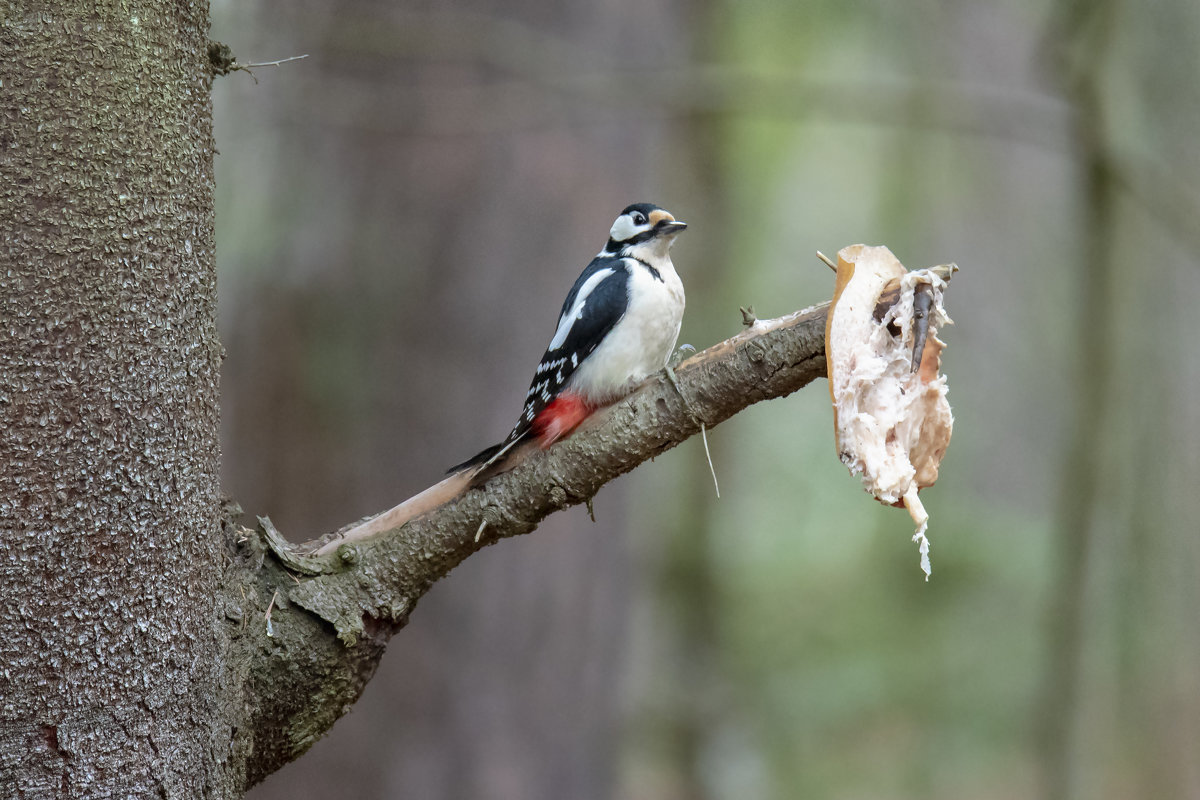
x: 149, y: 645
x: 109, y: 506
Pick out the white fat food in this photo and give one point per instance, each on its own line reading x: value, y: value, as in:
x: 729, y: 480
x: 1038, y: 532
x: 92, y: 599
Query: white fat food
x: 891, y: 427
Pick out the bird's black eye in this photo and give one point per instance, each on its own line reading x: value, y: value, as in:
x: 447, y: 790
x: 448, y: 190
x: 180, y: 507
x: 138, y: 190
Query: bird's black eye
x: 638, y: 218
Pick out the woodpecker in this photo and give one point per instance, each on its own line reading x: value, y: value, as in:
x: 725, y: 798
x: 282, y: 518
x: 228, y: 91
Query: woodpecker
x: 618, y: 325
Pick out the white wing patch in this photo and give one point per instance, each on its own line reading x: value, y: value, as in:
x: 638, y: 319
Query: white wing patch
x: 576, y: 310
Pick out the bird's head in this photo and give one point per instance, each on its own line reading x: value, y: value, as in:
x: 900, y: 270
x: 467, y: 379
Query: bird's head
x: 643, y: 230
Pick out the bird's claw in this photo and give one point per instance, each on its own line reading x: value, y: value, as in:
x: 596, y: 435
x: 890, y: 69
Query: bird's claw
x: 683, y: 353
x: 669, y: 371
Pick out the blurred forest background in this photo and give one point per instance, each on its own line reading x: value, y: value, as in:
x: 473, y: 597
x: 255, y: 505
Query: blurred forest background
x: 400, y: 216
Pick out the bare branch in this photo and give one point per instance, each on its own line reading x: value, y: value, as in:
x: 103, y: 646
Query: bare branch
x: 223, y: 61
x: 363, y: 582
x: 378, y: 569
x: 274, y: 63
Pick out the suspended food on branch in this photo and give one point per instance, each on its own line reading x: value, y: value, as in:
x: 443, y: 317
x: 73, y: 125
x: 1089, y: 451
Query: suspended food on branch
x: 891, y: 418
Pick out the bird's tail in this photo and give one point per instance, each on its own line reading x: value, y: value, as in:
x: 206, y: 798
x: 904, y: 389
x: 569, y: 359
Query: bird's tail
x: 491, y: 461
x: 482, y: 458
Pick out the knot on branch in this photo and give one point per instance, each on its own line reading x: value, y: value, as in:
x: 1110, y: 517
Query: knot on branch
x: 556, y: 495
x: 221, y: 56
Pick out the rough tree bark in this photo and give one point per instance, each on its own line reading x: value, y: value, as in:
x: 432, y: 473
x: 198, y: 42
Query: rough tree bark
x: 150, y: 645
x: 109, y: 510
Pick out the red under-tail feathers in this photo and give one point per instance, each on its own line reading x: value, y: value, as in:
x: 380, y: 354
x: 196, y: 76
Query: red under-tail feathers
x: 562, y: 416
x: 556, y: 420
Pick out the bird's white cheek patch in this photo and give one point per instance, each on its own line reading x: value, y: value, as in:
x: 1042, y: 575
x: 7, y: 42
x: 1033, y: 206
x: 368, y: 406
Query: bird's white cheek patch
x: 891, y: 418
x: 622, y: 229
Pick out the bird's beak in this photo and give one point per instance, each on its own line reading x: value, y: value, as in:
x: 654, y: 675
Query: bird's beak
x: 665, y: 224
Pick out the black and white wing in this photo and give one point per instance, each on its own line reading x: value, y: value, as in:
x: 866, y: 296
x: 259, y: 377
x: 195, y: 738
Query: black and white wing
x: 595, y: 304
x: 593, y: 307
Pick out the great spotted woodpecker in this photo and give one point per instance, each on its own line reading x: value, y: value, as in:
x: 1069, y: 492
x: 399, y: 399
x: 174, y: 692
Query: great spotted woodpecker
x: 618, y: 325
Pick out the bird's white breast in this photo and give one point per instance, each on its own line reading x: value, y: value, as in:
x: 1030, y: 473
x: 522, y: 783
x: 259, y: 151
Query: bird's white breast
x: 642, y: 342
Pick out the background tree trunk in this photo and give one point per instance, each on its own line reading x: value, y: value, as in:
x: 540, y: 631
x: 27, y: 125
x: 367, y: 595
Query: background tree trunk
x: 109, y: 506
